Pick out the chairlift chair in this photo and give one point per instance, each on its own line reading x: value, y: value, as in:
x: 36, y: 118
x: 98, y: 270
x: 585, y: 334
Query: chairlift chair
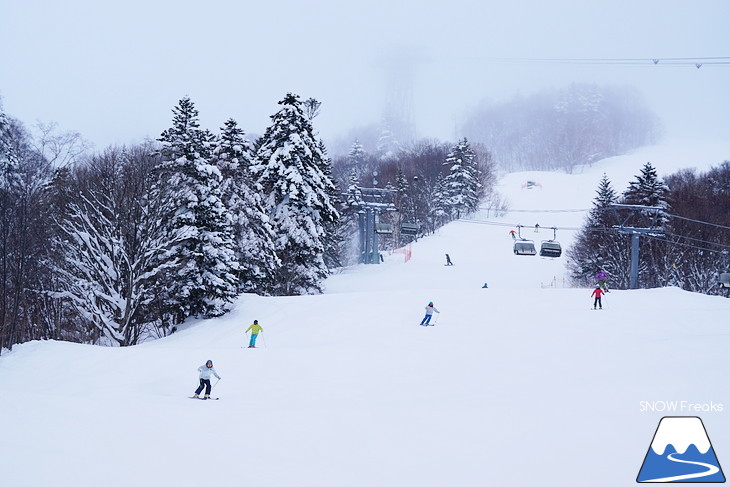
x: 524, y: 247
x: 550, y: 248
x: 409, y: 228
x: 724, y: 279
x: 384, y: 228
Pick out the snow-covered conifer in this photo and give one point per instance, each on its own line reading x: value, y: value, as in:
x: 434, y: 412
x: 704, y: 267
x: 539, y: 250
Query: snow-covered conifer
x: 597, y: 247
x: 333, y: 231
x: 441, y: 208
x: 206, y: 282
x: 8, y: 154
x: 388, y: 145
x: 647, y: 190
x: 289, y: 165
x: 252, y: 232
x: 461, y: 185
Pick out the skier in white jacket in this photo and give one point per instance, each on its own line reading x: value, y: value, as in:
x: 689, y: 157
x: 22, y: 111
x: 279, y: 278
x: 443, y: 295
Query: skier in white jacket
x: 205, y: 372
x: 429, y: 313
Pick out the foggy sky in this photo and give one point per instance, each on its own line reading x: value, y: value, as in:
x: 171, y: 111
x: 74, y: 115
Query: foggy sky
x: 113, y: 72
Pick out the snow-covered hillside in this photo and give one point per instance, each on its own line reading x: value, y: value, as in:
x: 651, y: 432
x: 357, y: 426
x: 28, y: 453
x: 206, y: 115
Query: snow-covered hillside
x: 519, y: 384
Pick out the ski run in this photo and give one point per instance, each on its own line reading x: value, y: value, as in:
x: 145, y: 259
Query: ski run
x: 517, y: 384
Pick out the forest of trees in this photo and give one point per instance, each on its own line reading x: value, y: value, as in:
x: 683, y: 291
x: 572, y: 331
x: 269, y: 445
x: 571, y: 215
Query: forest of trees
x: 122, y: 245
x: 560, y: 129
x: 432, y: 182
x: 689, y: 247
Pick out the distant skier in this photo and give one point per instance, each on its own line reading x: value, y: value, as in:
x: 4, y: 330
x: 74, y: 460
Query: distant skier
x: 485, y: 286
x: 429, y: 313
x: 597, y: 293
x: 601, y: 278
x: 205, y: 372
x: 448, y: 260
x: 255, y: 329
x: 512, y: 234
x: 537, y: 228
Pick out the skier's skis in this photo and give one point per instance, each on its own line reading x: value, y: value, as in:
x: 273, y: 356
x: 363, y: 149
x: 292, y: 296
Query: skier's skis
x: 204, y: 398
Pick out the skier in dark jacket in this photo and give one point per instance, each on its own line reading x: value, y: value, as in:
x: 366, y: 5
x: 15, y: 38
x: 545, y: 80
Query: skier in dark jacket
x: 597, y: 293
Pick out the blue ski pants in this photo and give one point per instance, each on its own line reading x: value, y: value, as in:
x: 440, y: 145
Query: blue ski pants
x: 426, y: 320
x: 252, y: 342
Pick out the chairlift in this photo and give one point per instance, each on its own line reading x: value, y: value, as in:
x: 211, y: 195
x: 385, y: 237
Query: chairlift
x: 383, y: 228
x: 550, y: 248
x: 524, y: 247
x: 724, y: 279
x: 409, y: 228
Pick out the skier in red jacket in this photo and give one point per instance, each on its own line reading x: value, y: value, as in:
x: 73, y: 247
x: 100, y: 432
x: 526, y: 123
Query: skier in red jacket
x: 598, y: 292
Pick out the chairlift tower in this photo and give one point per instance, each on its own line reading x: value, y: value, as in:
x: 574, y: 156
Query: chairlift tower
x: 650, y: 215
x: 373, y: 202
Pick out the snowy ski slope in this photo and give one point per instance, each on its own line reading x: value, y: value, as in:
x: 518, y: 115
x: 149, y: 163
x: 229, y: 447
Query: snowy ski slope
x: 517, y: 385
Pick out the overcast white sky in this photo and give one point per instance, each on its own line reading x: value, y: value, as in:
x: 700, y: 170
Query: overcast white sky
x: 113, y: 71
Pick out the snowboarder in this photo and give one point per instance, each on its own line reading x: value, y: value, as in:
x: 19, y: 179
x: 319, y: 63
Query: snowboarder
x: 429, y: 313
x: 485, y: 286
x: 255, y: 329
x: 598, y: 292
x: 601, y: 278
x: 448, y: 260
x: 512, y: 234
x: 205, y: 372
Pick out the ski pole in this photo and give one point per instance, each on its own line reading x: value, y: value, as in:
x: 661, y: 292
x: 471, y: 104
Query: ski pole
x: 216, y: 383
x: 438, y: 315
x: 264, y: 339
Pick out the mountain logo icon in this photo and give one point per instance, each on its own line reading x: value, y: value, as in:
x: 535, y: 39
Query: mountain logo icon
x: 681, y: 452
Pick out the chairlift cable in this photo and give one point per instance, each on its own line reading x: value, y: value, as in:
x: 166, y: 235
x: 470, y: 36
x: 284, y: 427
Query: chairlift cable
x: 699, y: 221
x: 713, y: 251
x: 697, y: 240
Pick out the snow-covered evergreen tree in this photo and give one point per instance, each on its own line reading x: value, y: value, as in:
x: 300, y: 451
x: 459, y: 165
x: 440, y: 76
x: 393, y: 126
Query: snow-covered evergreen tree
x: 8, y: 154
x: 461, y: 185
x: 289, y: 165
x: 388, y: 145
x: 401, y: 202
x: 333, y: 231
x: 649, y: 190
x: 356, y: 160
x: 597, y: 247
x: 353, y: 198
x: 356, y: 156
x: 441, y: 208
x: 252, y: 232
x: 206, y: 282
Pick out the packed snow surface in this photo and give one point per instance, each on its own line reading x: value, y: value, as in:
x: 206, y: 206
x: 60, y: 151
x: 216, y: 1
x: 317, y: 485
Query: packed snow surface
x: 517, y: 384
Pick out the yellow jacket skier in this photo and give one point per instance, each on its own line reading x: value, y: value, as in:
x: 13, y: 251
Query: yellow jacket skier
x: 255, y: 329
